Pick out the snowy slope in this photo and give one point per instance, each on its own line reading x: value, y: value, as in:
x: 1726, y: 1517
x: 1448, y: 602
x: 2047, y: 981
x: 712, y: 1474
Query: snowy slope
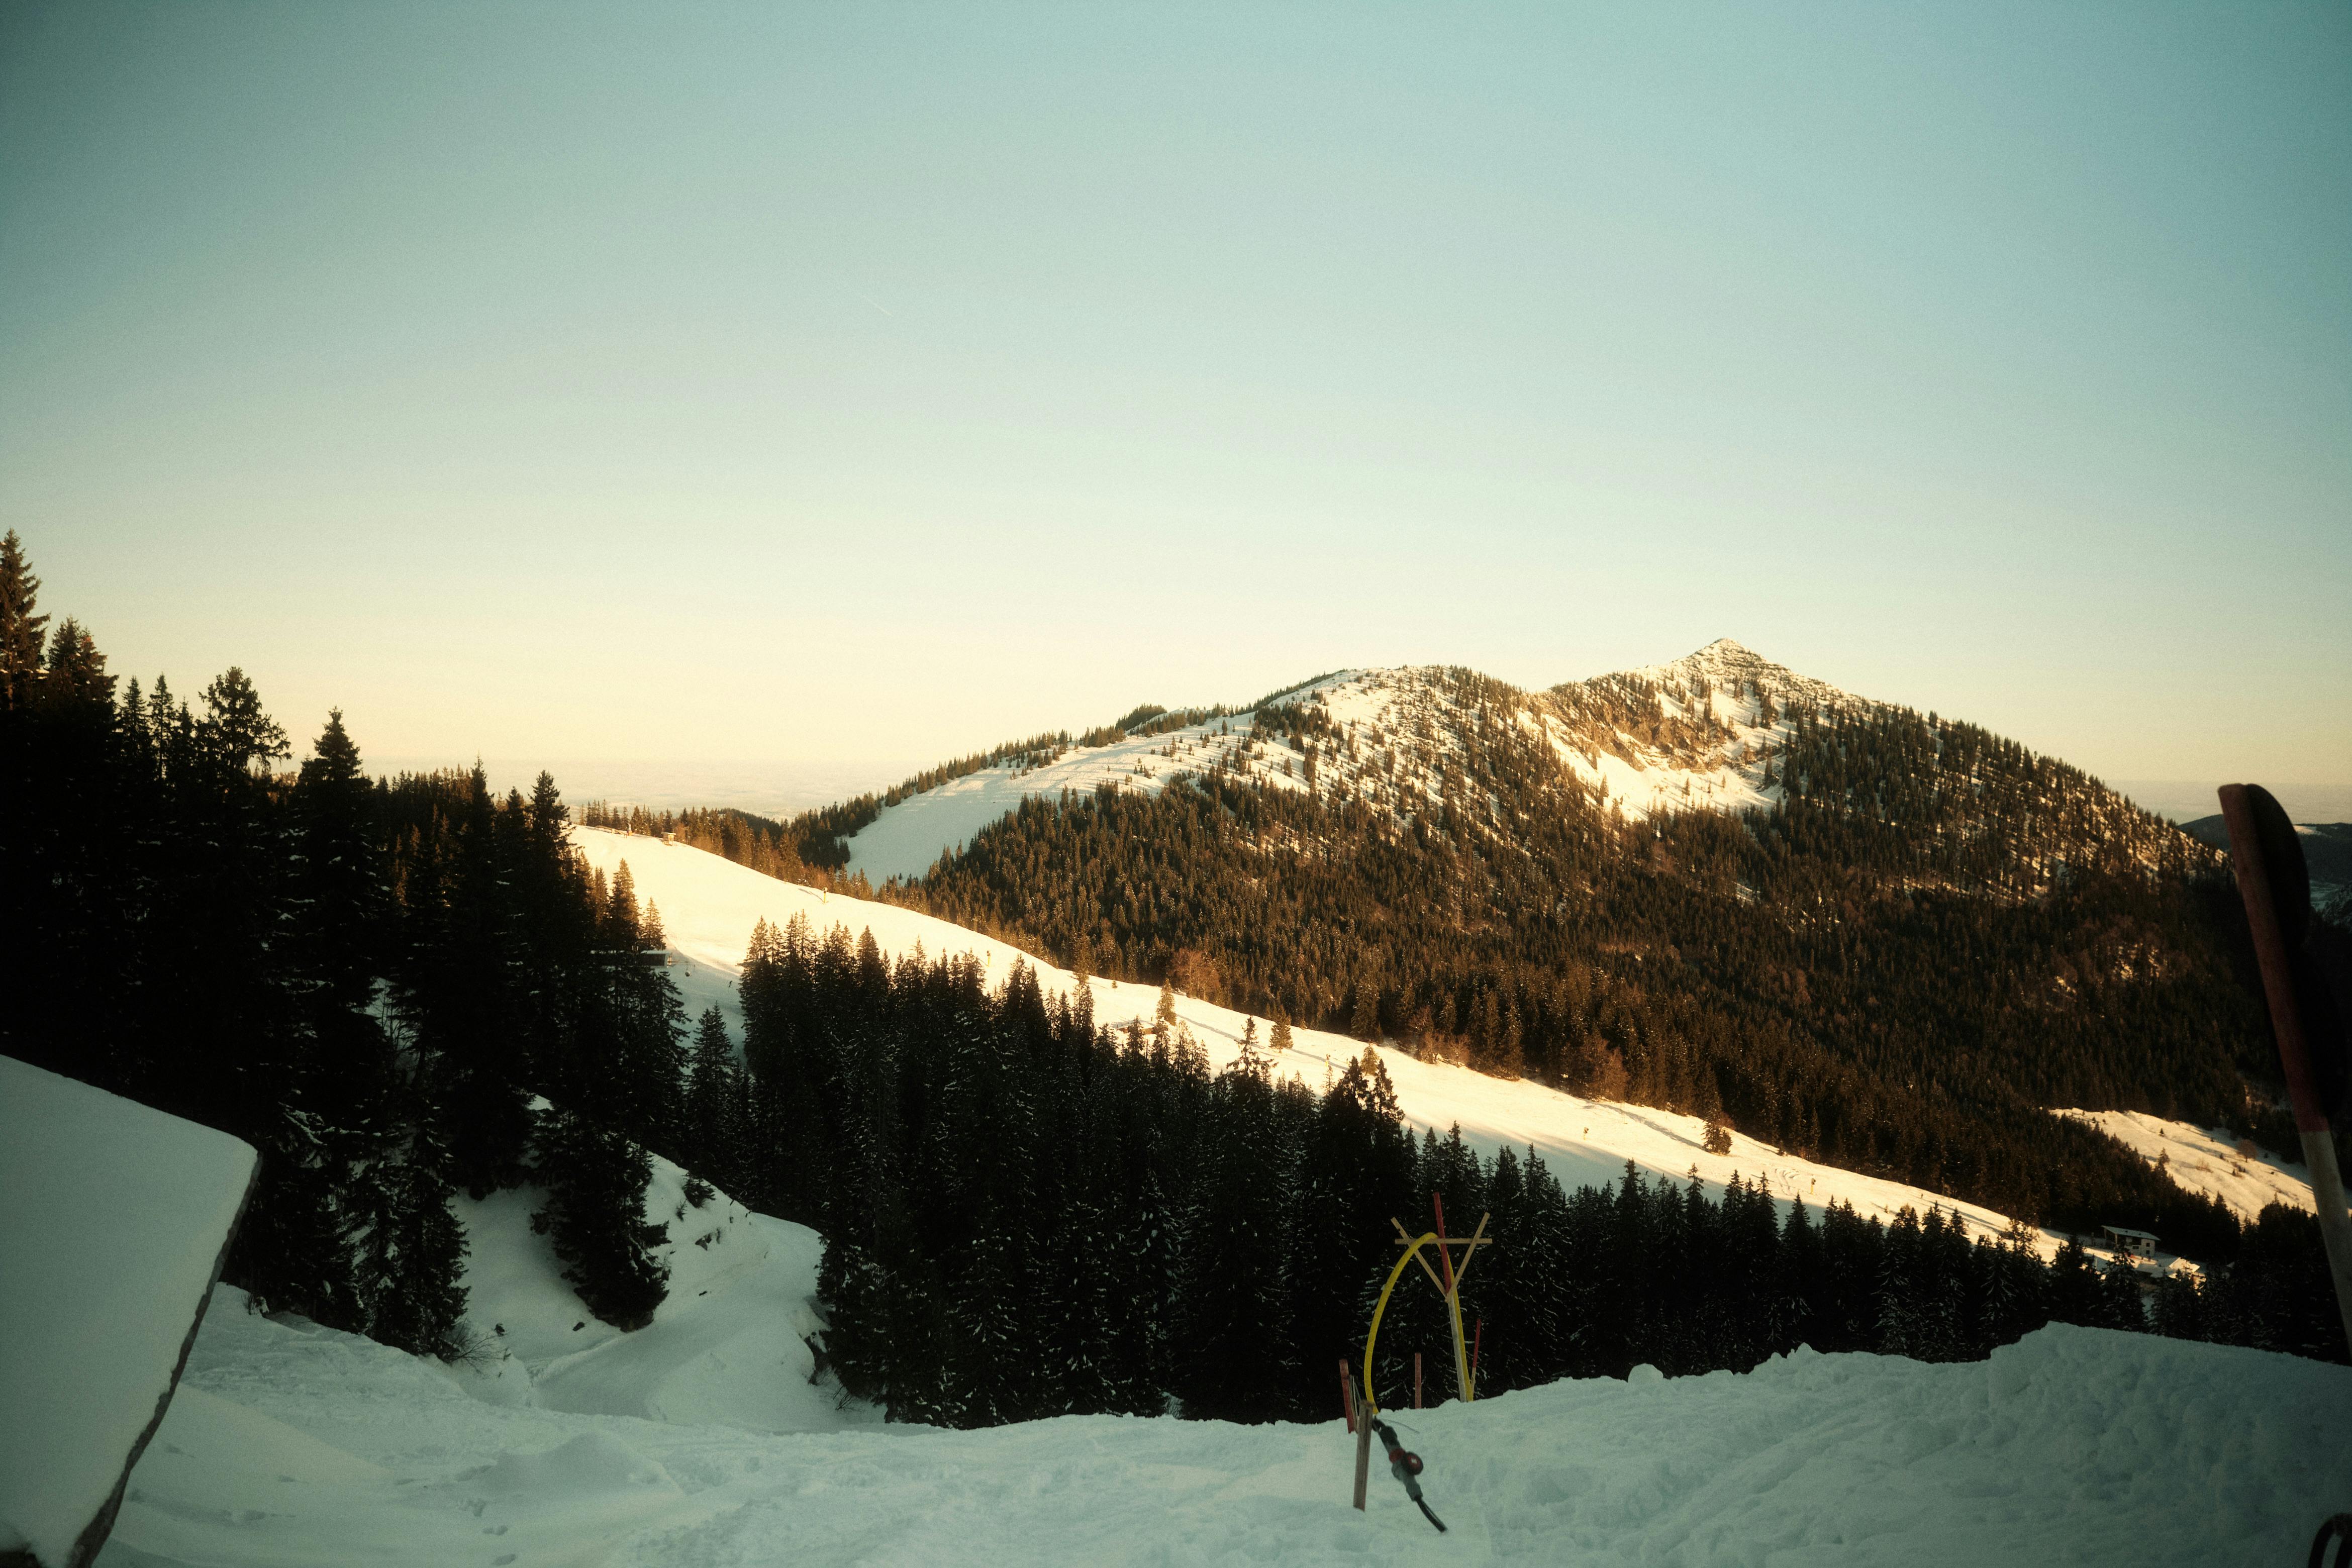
x: 2211, y: 1161
x: 1396, y: 730
x: 113, y: 1221
x: 300, y: 1447
x: 906, y: 839
x: 729, y: 1347
x: 709, y: 905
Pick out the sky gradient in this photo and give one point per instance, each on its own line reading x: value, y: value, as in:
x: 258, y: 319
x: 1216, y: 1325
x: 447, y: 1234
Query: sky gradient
x: 814, y: 388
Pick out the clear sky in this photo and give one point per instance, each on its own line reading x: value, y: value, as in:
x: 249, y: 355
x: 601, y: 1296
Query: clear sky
x: 817, y: 385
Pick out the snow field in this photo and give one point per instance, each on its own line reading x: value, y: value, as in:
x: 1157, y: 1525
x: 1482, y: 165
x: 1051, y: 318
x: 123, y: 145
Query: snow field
x: 294, y: 1445
x: 2206, y: 1160
x: 709, y: 905
x: 113, y: 1220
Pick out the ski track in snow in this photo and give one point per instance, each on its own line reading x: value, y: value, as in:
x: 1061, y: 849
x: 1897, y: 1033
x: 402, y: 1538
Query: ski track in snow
x: 708, y: 906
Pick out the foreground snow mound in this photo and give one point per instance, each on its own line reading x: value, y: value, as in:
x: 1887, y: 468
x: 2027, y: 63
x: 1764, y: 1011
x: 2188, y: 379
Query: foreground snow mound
x: 113, y: 1222
x: 304, y: 1446
x: 729, y: 1347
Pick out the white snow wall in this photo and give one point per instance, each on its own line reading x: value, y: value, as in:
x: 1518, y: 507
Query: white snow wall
x: 114, y: 1222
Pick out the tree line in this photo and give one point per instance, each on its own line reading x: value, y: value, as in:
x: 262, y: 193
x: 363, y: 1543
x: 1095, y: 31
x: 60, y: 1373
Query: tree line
x: 1027, y: 1215
x: 371, y: 982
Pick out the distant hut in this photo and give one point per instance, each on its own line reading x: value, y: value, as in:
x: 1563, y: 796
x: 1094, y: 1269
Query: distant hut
x: 2136, y: 1250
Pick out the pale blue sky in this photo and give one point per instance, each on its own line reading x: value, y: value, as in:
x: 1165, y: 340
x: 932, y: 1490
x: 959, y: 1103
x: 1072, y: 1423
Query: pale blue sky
x: 825, y: 385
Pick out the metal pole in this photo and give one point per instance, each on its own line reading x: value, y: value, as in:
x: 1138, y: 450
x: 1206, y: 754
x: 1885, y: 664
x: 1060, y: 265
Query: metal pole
x: 2287, y: 1024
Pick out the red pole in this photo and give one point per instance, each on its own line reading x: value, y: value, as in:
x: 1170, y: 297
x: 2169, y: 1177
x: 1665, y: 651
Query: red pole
x: 1416, y: 1380
x: 1444, y: 1253
x: 2286, y: 1027
x: 1348, y: 1392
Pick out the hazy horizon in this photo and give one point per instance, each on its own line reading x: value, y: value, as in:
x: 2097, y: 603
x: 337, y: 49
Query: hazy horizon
x: 811, y: 387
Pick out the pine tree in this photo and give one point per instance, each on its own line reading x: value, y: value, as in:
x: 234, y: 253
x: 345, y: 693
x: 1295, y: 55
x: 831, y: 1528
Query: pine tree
x: 409, y: 1249
x: 20, y: 628
x: 712, y: 1099
x: 595, y: 1182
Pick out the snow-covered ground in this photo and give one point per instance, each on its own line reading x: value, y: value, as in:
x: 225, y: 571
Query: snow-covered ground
x: 727, y: 1348
x: 295, y: 1445
x: 708, y: 906
x: 2208, y: 1160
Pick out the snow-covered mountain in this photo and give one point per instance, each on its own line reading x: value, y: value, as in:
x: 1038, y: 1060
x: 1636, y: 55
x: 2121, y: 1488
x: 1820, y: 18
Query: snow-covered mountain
x: 1703, y: 731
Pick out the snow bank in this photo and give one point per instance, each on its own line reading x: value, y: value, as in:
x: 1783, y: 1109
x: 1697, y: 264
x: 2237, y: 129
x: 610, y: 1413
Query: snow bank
x: 709, y: 904
x: 303, y: 1445
x: 113, y: 1222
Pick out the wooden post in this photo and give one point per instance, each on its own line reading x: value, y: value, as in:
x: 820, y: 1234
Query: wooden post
x: 1416, y: 1380
x: 2286, y: 1024
x: 1363, y: 1443
x: 1347, y: 1394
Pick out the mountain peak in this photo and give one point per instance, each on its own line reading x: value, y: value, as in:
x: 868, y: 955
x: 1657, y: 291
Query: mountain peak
x: 1725, y: 664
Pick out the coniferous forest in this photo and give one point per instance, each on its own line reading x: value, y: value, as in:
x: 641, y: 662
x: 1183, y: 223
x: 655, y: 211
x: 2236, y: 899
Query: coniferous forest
x: 401, y: 990
x: 371, y: 982
x: 1866, y: 987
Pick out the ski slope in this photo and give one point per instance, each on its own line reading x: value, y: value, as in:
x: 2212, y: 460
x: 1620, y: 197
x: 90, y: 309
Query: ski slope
x: 708, y: 906
x: 290, y: 1446
x: 2209, y: 1161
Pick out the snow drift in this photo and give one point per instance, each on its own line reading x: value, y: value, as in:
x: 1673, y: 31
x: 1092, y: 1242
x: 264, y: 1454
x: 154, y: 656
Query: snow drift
x: 303, y: 1446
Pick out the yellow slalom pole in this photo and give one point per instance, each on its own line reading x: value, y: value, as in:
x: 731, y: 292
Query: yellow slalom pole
x: 1383, y: 1305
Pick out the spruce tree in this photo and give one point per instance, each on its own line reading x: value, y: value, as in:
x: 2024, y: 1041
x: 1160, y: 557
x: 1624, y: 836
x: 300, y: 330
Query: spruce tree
x: 409, y: 1249
x: 714, y: 1136
x: 20, y: 626
x: 595, y: 1182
